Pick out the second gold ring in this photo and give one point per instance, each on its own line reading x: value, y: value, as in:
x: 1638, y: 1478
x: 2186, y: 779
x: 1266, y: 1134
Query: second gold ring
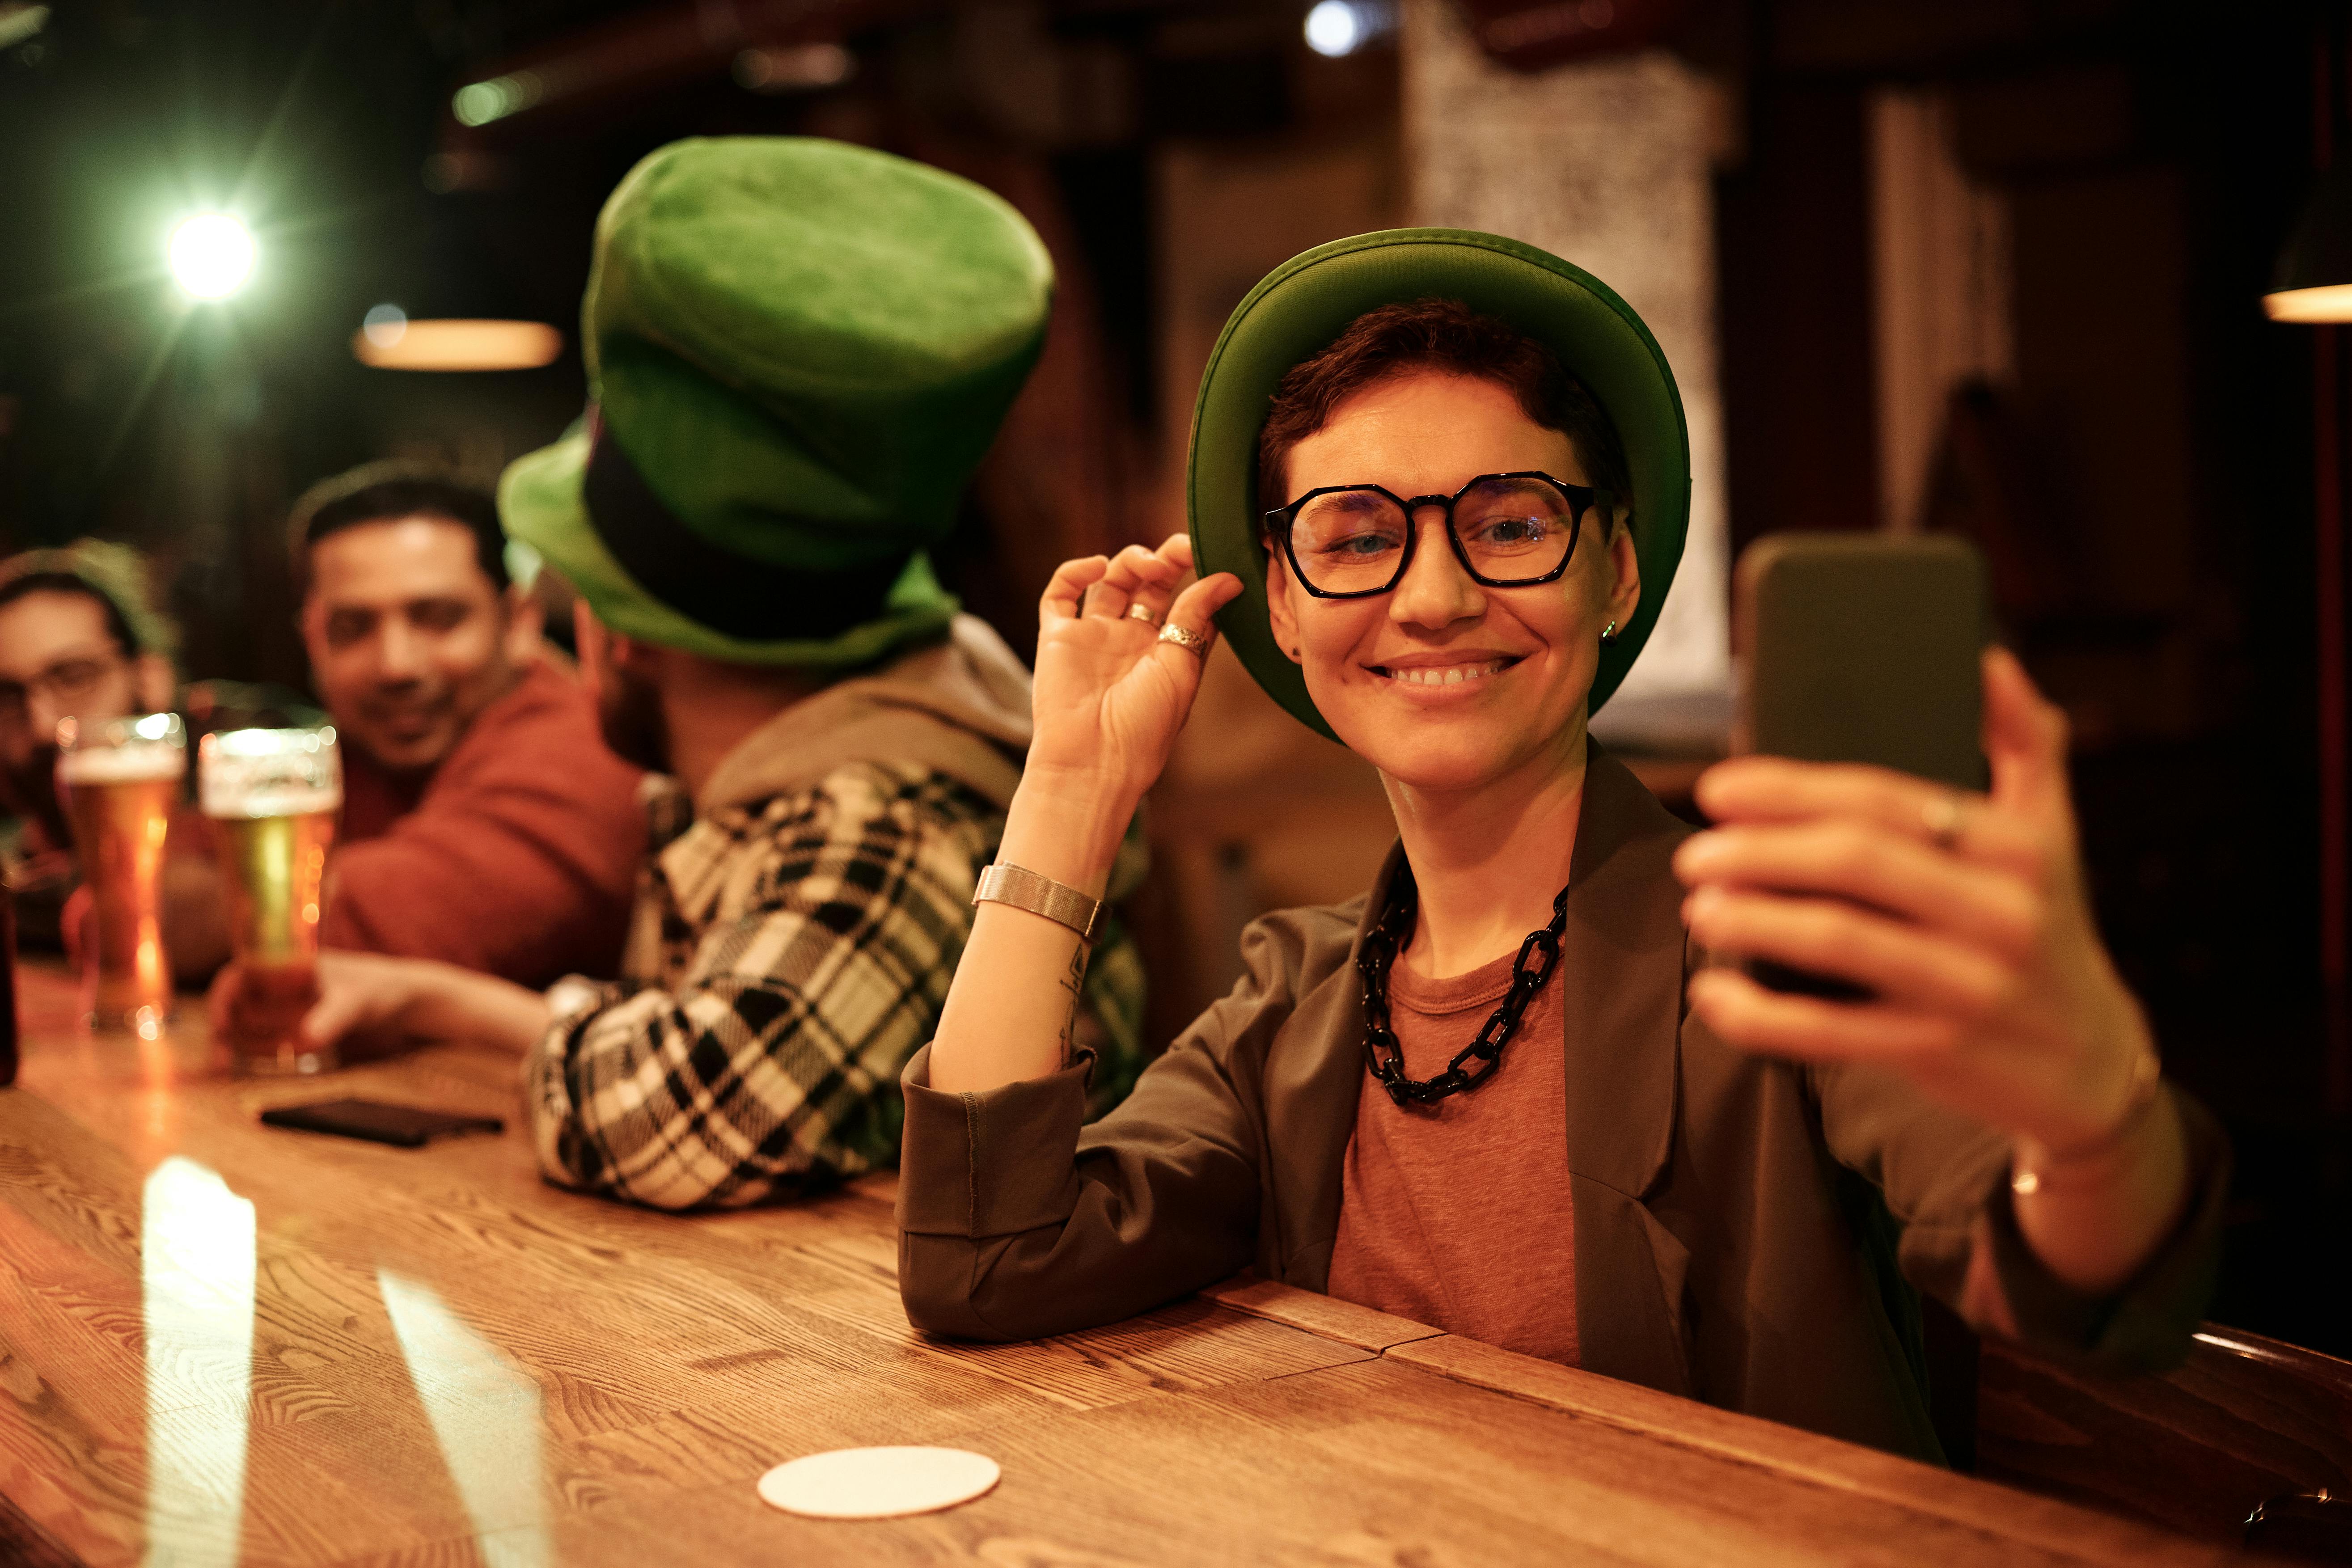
x: 1940, y: 814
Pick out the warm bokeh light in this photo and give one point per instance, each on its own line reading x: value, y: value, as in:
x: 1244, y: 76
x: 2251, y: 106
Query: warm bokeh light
x: 389, y: 340
x: 2331, y: 303
x: 795, y: 67
x: 211, y: 255
x: 1333, y: 28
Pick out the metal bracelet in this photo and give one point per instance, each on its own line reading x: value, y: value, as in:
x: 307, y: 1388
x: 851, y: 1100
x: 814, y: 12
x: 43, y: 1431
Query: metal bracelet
x: 1040, y: 895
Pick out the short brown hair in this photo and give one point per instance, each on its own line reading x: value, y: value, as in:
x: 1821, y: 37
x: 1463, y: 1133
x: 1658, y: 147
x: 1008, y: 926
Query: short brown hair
x: 1442, y: 335
x: 388, y: 491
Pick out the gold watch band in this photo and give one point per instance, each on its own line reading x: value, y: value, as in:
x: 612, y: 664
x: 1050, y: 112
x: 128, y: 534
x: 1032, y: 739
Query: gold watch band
x: 1026, y: 890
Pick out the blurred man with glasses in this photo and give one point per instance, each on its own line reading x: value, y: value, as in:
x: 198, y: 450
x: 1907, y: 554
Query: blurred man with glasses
x: 80, y: 639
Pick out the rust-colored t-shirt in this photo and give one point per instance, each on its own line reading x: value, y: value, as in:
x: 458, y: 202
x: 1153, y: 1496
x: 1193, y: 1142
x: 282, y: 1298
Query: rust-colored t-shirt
x: 1456, y: 1215
x: 517, y: 856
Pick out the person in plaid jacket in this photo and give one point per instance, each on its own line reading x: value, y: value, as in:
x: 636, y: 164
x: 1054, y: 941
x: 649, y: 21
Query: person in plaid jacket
x: 797, y: 925
x: 798, y: 350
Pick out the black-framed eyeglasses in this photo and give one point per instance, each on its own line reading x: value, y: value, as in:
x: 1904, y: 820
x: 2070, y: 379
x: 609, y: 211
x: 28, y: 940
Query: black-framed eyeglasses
x: 65, y: 683
x: 1508, y: 531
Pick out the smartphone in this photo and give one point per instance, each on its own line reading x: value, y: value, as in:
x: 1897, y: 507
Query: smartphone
x: 1857, y: 647
x: 403, y: 1126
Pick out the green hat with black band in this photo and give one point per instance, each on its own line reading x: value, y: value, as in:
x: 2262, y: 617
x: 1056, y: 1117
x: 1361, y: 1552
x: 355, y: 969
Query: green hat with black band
x: 1303, y: 305
x: 797, y: 353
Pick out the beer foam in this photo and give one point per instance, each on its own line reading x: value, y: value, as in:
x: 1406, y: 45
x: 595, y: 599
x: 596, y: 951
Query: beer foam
x: 271, y: 799
x: 134, y: 763
x: 269, y: 773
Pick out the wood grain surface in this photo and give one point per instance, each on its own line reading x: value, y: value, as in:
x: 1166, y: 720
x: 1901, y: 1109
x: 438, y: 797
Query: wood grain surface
x: 2245, y: 1421
x: 453, y: 1363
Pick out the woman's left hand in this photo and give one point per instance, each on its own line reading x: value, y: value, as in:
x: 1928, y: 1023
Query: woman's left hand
x: 1964, y: 914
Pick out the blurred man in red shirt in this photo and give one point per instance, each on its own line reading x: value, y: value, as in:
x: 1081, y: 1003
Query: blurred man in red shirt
x: 485, y: 823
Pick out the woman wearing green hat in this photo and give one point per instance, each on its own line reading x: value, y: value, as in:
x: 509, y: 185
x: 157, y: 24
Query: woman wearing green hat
x: 1438, y: 490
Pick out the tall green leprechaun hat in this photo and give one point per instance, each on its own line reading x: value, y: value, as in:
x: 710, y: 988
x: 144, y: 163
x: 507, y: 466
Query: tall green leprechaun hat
x: 1305, y: 303
x: 797, y: 353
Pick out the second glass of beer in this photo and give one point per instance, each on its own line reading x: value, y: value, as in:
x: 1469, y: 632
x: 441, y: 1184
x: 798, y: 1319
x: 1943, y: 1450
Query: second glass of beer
x: 273, y: 796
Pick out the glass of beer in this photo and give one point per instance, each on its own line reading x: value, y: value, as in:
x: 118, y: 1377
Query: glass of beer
x: 273, y: 796
x: 122, y: 778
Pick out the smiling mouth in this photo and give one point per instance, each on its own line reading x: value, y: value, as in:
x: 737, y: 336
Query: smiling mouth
x: 1443, y: 674
x: 408, y: 722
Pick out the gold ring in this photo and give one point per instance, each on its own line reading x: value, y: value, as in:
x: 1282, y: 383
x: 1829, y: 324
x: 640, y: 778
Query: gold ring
x: 1191, y: 642
x: 1141, y: 613
x: 1940, y: 814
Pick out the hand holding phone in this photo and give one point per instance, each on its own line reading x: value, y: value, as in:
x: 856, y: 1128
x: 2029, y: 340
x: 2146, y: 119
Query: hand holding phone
x: 1860, y: 648
x: 1960, y: 917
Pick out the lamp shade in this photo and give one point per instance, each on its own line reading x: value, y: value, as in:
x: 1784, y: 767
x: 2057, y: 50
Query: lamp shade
x: 405, y: 345
x: 2313, y: 280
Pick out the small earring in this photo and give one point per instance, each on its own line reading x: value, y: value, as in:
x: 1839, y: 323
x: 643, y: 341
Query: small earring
x: 1609, y: 634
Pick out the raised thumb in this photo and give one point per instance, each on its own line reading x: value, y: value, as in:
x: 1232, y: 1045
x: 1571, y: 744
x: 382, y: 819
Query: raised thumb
x: 2024, y: 737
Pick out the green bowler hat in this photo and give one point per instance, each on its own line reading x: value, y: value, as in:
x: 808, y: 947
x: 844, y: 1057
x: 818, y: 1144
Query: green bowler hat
x: 797, y: 352
x: 1308, y: 301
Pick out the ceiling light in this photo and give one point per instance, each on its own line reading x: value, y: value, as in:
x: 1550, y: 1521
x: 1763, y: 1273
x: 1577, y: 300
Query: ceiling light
x: 389, y: 340
x: 211, y: 255
x: 1332, y: 29
x: 2312, y: 281
x: 19, y: 23
x: 1337, y: 27
x: 2305, y: 307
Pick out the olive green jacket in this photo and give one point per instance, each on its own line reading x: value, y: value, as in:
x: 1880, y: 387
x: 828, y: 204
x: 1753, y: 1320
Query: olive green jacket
x: 1732, y: 1212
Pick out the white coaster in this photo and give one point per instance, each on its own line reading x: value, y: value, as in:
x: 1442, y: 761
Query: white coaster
x: 878, y: 1483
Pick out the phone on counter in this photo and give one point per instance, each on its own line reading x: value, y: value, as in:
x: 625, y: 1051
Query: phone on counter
x: 1858, y: 648
x: 403, y: 1126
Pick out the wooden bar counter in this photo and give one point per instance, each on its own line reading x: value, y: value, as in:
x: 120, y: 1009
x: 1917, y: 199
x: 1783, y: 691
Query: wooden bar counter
x: 451, y: 1362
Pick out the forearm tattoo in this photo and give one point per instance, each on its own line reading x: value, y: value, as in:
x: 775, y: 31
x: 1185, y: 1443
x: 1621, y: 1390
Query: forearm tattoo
x: 1074, y: 984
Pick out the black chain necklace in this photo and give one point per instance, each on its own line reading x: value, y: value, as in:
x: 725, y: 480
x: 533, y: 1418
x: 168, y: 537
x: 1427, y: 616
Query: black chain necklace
x: 1385, y: 1057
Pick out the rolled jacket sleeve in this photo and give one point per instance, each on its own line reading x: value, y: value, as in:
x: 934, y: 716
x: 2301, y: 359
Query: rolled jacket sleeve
x: 987, y: 1135
x: 1945, y: 1179
x: 1018, y: 1220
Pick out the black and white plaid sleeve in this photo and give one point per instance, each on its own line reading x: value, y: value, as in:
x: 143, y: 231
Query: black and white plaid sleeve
x: 768, y: 1065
